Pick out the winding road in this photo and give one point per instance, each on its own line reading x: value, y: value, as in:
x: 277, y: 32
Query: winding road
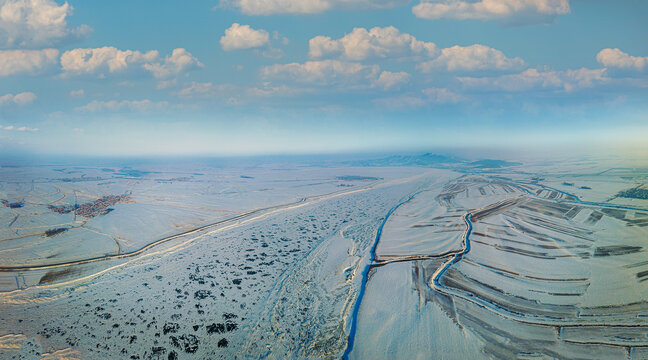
x: 250, y: 215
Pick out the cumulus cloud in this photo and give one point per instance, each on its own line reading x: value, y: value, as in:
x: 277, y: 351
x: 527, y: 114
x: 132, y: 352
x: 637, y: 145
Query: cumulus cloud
x: 133, y: 105
x: 179, y: 61
x: 26, y: 61
x: 99, y: 61
x: 616, y: 58
x: 377, y: 42
x: 515, y: 11
x: 20, y: 99
x: 107, y: 58
x: 532, y: 79
x: 388, y: 79
x: 31, y: 23
x: 389, y: 42
x: 324, y: 72
x: 239, y: 37
x: 471, y: 58
x: 270, y: 7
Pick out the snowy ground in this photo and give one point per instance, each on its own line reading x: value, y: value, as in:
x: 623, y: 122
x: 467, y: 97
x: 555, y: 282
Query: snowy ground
x: 532, y: 273
x: 532, y: 261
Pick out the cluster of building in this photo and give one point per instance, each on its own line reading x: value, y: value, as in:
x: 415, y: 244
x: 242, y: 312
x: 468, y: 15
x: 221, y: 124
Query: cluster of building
x: 91, y: 209
x: 62, y: 209
x: 636, y: 193
x: 183, y: 178
x: 80, y: 179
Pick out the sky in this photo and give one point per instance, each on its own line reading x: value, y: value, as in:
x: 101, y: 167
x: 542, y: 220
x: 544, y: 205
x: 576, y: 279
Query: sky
x: 245, y: 77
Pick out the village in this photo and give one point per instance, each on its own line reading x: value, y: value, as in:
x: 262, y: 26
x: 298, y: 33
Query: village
x: 91, y: 209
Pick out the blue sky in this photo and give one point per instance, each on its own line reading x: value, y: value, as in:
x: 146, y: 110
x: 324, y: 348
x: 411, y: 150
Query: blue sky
x: 316, y: 76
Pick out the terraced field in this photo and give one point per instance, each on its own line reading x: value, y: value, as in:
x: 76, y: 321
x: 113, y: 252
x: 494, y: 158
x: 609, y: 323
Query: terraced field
x: 528, y: 270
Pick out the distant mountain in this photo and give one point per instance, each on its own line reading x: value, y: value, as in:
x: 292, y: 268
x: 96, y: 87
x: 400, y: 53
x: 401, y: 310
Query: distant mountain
x: 492, y: 164
x: 427, y: 159
x: 434, y: 160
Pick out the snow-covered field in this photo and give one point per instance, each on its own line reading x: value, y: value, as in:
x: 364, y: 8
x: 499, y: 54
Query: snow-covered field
x: 531, y: 261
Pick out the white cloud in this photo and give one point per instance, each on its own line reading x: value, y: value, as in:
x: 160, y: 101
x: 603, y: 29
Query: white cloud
x: 29, y: 23
x: 270, y: 7
x: 108, y: 58
x: 388, y: 79
x: 618, y: 59
x: 26, y: 61
x: 471, y: 58
x: 242, y: 37
x: 99, y: 61
x: 515, y: 11
x: 21, y: 99
x: 378, y: 42
x: 179, y: 61
x: 324, y: 72
x: 389, y: 42
x: 532, y: 79
x: 239, y: 37
x: 113, y: 105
